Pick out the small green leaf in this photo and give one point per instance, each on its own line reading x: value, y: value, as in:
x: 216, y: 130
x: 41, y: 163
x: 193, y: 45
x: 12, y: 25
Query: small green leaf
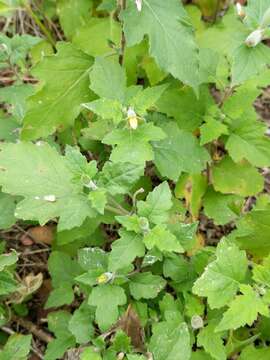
x: 146, y: 286
x: 107, y: 298
x: 98, y: 199
x: 17, y: 347
x: 80, y: 324
x: 157, y: 205
x: 125, y: 250
x: 212, y: 342
x: 244, y: 309
x: 163, y: 239
x: 132, y: 146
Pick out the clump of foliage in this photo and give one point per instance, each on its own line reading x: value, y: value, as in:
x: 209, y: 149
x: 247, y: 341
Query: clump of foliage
x: 132, y: 134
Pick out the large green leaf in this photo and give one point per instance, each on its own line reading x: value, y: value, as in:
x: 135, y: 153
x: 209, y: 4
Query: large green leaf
x: 65, y: 80
x: 170, y: 340
x: 247, y: 140
x: 179, y: 152
x: 49, y: 191
x: 170, y: 36
x: 73, y: 14
x: 222, y: 277
x: 237, y: 178
x: 93, y: 36
x: 244, y: 309
x: 252, y: 233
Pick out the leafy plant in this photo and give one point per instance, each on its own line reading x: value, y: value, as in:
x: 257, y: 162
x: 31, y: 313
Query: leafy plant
x: 132, y: 137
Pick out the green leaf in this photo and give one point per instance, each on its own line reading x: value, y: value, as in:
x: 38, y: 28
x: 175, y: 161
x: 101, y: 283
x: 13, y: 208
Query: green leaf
x: 241, y: 178
x: 8, y: 259
x: 57, y: 348
x: 161, y: 238
x: 62, y: 269
x: 222, y: 277
x: 251, y: 353
x: 119, y: 178
x: 125, y: 250
x: 252, y: 233
x: 73, y: 14
x: 16, y: 95
x: 49, y: 192
x: 107, y: 298
x: 108, y: 79
x: 90, y: 354
x: 7, y: 283
x: 212, y: 342
x: 107, y: 109
x: 248, y: 62
x: 178, y: 152
x: 212, y: 130
x: 182, y: 104
x: 62, y: 295
x: 180, y: 270
x: 132, y: 146
x: 65, y: 78
x: 145, y: 285
x: 157, y: 205
x: 7, y: 210
x: 92, y: 258
x: 80, y: 324
x: 247, y: 140
x: 167, y: 25
x: 98, y: 199
x: 93, y: 37
x: 261, y: 273
x: 17, y: 347
x: 146, y: 98
x: 244, y: 309
x: 169, y: 340
x: 220, y: 207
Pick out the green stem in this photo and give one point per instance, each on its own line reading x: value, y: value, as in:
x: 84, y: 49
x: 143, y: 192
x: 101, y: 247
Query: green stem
x: 45, y: 31
x: 115, y: 210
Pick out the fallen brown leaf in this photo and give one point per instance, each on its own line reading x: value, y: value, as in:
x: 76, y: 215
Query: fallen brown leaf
x: 42, y: 234
x: 130, y: 323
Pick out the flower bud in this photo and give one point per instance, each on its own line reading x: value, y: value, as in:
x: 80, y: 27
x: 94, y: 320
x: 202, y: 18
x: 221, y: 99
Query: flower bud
x: 254, y: 38
x: 196, y: 322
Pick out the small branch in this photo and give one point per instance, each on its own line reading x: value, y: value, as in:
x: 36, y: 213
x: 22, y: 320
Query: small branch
x: 115, y: 210
x: 34, y: 329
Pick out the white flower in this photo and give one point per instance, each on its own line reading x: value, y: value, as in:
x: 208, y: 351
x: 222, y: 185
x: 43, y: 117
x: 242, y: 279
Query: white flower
x: 254, y: 38
x: 139, y: 5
